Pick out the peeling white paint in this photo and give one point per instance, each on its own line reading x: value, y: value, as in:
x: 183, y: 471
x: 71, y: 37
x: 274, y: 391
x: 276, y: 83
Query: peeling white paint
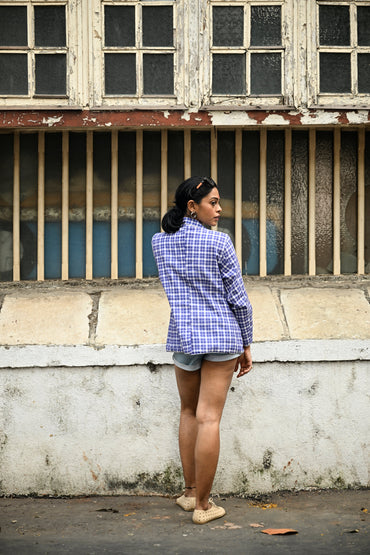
x: 231, y: 118
x: 166, y: 114
x: 275, y: 119
x: 186, y: 115
x: 51, y: 120
x: 358, y: 117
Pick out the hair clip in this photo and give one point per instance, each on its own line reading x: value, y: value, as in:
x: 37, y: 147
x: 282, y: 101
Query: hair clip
x: 201, y: 183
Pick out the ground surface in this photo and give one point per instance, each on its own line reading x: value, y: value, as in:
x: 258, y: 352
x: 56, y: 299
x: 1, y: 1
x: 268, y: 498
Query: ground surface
x: 330, y: 522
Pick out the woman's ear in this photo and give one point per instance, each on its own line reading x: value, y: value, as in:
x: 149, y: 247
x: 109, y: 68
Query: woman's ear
x: 191, y: 206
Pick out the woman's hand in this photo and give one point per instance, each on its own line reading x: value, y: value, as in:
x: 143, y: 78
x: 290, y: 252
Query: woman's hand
x: 245, y: 361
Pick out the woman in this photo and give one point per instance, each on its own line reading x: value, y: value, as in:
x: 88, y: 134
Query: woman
x: 210, y: 330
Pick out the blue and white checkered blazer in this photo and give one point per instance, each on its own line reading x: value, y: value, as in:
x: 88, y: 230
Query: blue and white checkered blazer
x: 200, y: 273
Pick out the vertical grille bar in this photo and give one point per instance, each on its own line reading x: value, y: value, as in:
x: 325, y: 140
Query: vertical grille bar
x: 336, y: 203
x: 114, y: 206
x: 89, y: 205
x: 187, y: 153
x: 41, y: 207
x: 139, y: 204
x: 164, y: 172
x: 214, y: 154
x: 16, y: 211
x: 361, y: 202
x: 312, y: 203
x: 263, y: 186
x: 65, y: 203
x: 288, y: 204
x: 238, y: 194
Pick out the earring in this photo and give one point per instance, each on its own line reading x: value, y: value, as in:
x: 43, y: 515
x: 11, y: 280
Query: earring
x: 193, y: 215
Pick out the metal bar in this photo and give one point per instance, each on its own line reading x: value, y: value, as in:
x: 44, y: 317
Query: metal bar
x: 262, y: 214
x: 164, y: 172
x: 187, y: 153
x: 89, y: 204
x: 238, y: 195
x: 214, y: 154
x: 139, y: 204
x: 288, y: 204
x: 16, y: 211
x: 336, y: 203
x: 114, y: 206
x: 312, y: 203
x: 65, y: 204
x: 361, y: 203
x: 41, y: 207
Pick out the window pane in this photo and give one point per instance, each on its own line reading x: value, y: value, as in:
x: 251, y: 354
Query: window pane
x: 324, y: 202
x: 50, y: 26
x: 266, y: 73
x: 6, y: 206
x: 151, y: 197
x: 119, y: 25
x: 157, y: 26
x: 102, y: 205
x: 120, y: 73
x: 363, y: 25
x: 299, y: 211
x: 335, y: 73
x: 126, y: 203
x: 334, y: 25
x: 13, y: 74
x: 226, y: 181
x: 275, y: 202
x: 13, y: 26
x: 200, y: 153
x: 28, y: 166
x: 348, y: 203
x: 250, y: 212
x: 53, y: 205
x: 158, y: 73
x: 228, y: 26
x: 228, y: 74
x: 77, y: 205
x: 363, y: 61
x: 51, y: 74
x: 265, y: 25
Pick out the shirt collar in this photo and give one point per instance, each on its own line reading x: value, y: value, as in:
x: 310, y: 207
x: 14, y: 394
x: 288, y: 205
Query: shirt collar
x: 192, y: 221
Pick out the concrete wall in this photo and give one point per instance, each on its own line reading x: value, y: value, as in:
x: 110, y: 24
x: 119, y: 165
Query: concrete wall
x: 88, y: 400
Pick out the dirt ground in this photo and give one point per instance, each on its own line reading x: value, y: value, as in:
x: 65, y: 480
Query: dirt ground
x: 330, y: 522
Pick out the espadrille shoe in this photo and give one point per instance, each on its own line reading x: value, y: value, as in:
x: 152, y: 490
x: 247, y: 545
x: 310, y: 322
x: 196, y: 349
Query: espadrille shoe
x: 201, y: 517
x: 186, y: 503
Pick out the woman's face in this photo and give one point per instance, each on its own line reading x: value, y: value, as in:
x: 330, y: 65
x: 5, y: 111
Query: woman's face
x: 209, y: 209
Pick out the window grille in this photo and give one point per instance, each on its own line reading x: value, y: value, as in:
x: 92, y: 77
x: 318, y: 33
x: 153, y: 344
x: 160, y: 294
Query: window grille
x: 86, y: 204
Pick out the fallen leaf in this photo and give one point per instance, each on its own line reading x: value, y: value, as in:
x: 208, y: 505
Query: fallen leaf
x: 255, y: 525
x: 129, y: 514
x: 364, y: 510
x: 279, y: 531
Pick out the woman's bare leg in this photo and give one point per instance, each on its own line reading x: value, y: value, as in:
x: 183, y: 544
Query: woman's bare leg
x: 214, y: 385
x: 188, y: 384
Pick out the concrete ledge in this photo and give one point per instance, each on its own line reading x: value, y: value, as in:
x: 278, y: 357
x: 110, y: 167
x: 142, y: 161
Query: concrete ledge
x: 42, y: 356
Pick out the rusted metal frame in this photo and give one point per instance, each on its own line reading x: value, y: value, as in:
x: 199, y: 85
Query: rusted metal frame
x: 187, y: 153
x: 139, y: 204
x: 238, y: 195
x: 41, y: 208
x: 336, y: 202
x: 164, y: 172
x: 361, y: 202
x: 114, y: 205
x: 16, y: 210
x: 288, y: 204
x: 263, y: 197
x: 65, y: 204
x: 312, y: 203
x: 89, y: 203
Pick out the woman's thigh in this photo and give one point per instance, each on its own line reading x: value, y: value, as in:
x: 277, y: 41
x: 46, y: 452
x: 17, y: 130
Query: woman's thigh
x: 215, y: 379
x: 188, y: 384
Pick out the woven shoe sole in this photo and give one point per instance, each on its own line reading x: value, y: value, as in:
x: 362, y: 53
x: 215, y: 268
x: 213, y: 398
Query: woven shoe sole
x: 201, y: 517
x: 186, y: 503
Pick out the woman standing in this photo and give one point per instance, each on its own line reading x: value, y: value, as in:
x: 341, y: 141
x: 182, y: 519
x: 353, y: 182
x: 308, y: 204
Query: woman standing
x: 210, y: 330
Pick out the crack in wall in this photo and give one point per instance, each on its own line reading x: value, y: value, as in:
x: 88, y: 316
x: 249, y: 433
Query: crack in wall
x: 93, y: 316
x: 2, y: 298
x: 281, y: 309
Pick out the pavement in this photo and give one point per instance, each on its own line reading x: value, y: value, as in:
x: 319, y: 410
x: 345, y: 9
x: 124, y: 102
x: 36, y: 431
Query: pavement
x: 326, y: 521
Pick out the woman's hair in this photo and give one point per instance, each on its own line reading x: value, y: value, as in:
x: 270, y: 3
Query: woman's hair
x: 194, y: 188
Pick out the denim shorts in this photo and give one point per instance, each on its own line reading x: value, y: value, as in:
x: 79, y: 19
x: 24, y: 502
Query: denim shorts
x: 194, y: 362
